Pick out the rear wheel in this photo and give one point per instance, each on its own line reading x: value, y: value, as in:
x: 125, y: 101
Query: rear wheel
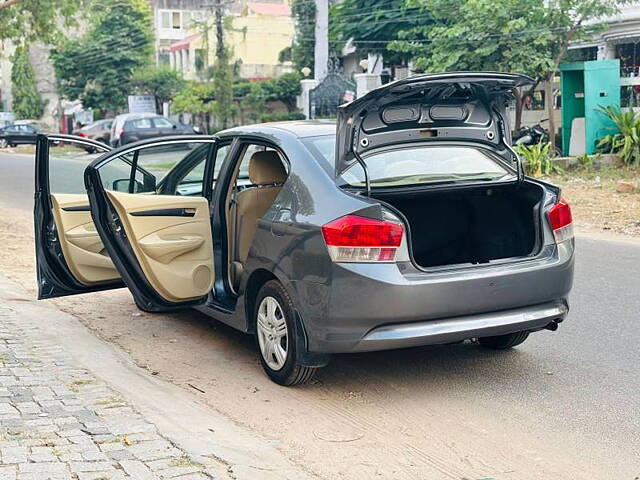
x: 3, y: 143
x: 503, y: 342
x: 276, y: 335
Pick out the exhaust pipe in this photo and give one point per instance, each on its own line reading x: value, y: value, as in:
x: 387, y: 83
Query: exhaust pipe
x: 553, y: 326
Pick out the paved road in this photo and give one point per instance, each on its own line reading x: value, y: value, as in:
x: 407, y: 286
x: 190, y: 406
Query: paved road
x: 582, y: 381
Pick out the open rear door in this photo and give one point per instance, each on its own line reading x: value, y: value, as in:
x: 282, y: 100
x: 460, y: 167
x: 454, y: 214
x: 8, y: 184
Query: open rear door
x: 70, y: 256
x: 160, y: 241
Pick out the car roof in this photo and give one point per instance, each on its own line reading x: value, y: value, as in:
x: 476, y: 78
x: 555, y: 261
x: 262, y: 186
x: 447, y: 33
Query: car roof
x: 129, y: 116
x: 299, y: 128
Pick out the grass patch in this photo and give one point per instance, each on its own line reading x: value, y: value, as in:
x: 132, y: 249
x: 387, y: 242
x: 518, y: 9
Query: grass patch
x: 77, y: 383
x: 184, y: 462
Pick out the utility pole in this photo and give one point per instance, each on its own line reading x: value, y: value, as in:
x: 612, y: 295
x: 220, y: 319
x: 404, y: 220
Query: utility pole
x: 223, y: 107
x: 321, y: 58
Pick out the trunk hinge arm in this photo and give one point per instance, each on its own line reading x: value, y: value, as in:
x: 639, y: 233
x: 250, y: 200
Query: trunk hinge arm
x: 366, y: 172
x: 516, y: 157
x: 519, y: 166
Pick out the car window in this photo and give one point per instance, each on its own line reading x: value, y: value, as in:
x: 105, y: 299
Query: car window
x: 141, y: 123
x: 162, y: 123
x: 426, y: 164
x: 249, y: 150
x: 412, y: 165
x: 67, y: 162
x: 168, y: 164
x: 190, y: 183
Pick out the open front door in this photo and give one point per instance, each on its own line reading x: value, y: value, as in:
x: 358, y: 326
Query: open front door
x: 155, y: 221
x: 70, y: 256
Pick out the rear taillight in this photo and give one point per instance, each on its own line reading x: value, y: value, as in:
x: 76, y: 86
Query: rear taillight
x: 83, y: 134
x: 561, y: 221
x: 358, y: 239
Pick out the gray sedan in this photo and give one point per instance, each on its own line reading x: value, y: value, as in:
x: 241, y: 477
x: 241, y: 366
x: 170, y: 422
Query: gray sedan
x: 408, y: 223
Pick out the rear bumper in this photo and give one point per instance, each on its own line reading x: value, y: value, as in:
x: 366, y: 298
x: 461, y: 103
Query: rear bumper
x: 364, y: 307
x: 449, y: 330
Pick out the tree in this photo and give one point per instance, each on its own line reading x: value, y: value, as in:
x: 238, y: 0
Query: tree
x: 27, y: 102
x: 372, y: 25
x: 98, y: 67
x: 525, y: 36
x: 303, y: 49
x: 197, y: 100
x: 162, y: 83
x: 224, y: 108
x: 489, y: 35
x: 569, y: 21
x: 28, y: 20
x: 284, y: 88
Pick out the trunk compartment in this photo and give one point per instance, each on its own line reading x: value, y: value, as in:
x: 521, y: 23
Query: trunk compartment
x: 473, y: 225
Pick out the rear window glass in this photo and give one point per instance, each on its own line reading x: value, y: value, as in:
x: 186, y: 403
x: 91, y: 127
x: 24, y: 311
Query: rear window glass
x: 414, y: 165
x: 141, y: 123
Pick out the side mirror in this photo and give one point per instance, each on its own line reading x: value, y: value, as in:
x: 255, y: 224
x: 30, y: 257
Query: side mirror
x: 175, y: 126
x: 122, y: 185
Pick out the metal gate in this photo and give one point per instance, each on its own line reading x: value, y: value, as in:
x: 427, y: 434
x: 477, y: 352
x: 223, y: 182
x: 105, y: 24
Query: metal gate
x: 332, y: 92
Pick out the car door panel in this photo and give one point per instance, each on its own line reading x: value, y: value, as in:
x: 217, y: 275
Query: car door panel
x: 175, y: 251
x: 80, y: 242
x: 70, y: 257
x: 159, y: 240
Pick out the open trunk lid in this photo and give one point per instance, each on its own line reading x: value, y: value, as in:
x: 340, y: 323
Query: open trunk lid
x: 458, y: 107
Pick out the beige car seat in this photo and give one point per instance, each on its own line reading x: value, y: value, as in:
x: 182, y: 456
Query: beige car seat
x: 267, y: 174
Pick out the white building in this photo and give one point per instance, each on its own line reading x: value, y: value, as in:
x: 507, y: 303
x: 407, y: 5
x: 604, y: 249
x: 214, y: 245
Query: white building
x: 172, y: 22
x: 619, y: 39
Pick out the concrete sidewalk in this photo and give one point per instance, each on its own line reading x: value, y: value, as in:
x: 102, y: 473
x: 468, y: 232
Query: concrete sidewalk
x: 75, y: 407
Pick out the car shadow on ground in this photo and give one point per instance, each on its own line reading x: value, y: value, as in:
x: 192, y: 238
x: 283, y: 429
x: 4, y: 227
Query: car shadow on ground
x: 449, y: 366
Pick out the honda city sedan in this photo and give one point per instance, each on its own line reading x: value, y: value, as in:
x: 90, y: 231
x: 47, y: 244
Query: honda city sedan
x: 409, y: 222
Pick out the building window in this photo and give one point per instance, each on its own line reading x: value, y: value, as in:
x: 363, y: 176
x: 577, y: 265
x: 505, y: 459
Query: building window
x: 164, y: 60
x: 165, y: 20
x: 629, y: 55
x: 175, y: 23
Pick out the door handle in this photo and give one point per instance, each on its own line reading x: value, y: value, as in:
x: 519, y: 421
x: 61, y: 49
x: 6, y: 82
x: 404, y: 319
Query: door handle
x: 166, y: 212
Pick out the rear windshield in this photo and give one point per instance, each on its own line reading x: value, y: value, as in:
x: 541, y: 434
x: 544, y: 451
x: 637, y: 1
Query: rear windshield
x: 414, y: 165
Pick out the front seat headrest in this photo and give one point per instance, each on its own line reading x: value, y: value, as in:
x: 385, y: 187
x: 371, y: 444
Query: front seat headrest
x: 266, y: 168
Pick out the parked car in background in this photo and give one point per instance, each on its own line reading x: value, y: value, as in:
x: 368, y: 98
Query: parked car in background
x: 409, y: 224
x: 99, y: 131
x: 131, y: 127
x: 18, y: 134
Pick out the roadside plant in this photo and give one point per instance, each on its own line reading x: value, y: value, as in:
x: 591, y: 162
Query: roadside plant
x: 537, y: 159
x: 625, y: 142
x: 586, y: 162
x: 27, y: 101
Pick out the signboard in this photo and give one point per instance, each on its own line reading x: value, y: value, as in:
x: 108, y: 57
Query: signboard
x: 142, y: 104
x: 6, y: 118
x: 349, y: 96
x: 84, y: 117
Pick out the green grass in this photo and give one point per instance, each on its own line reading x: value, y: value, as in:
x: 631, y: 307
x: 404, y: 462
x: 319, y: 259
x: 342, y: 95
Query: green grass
x: 605, y: 172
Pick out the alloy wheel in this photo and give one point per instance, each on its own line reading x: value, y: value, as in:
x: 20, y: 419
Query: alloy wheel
x: 3, y: 143
x: 272, y: 331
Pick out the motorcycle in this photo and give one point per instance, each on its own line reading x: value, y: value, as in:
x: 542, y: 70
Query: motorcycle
x: 534, y: 134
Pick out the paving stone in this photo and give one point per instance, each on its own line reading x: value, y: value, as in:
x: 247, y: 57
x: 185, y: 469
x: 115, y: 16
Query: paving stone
x: 109, y: 475
x: 58, y: 422
x: 45, y: 468
x: 89, y: 466
x: 136, y: 469
x: 13, y: 455
x: 8, y: 473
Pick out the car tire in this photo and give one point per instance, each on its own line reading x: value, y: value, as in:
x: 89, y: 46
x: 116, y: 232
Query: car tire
x: 276, y: 334
x: 504, y: 342
x: 3, y: 143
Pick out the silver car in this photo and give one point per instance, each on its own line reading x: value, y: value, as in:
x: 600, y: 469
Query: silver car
x: 408, y: 223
